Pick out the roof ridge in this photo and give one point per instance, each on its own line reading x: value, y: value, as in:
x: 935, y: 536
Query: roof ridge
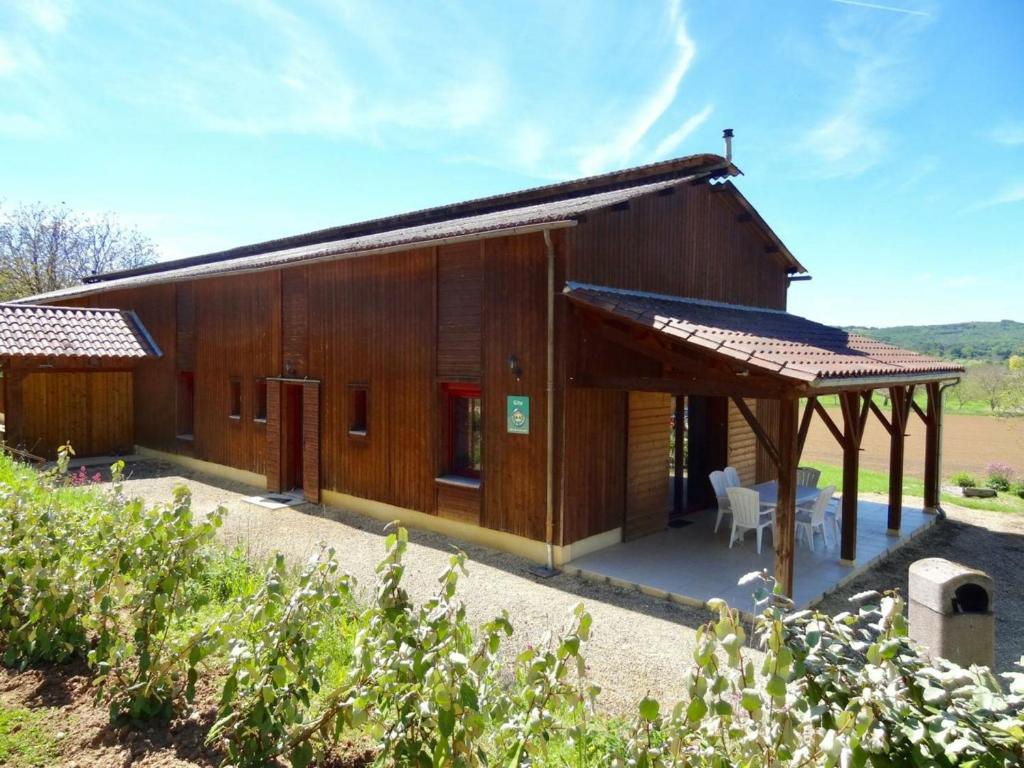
x: 625, y: 178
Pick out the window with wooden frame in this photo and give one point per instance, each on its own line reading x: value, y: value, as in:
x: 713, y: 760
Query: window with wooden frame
x: 259, y: 401
x: 185, y: 416
x: 235, y: 399
x: 464, y: 430
x: 358, y: 410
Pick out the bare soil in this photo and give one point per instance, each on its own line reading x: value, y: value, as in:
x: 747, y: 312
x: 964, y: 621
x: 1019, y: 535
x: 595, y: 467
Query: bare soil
x: 86, y: 739
x: 969, y: 444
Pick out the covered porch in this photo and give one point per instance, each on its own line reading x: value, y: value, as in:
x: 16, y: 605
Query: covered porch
x: 786, y: 363
x: 693, y: 564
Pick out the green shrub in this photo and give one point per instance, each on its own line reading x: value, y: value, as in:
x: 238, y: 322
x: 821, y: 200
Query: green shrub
x: 273, y: 675
x: 964, y: 480
x: 142, y: 575
x: 999, y: 476
x: 44, y: 591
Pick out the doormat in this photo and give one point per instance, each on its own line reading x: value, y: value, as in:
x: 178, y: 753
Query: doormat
x: 276, y: 500
x: 679, y: 523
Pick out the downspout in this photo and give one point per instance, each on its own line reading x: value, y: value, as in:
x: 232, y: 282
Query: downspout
x: 550, y: 403
x: 939, y: 511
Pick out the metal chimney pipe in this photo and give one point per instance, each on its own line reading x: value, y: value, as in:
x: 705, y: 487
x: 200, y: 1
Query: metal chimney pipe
x: 727, y: 135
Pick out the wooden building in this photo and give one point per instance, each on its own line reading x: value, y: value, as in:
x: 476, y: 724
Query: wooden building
x: 68, y: 378
x: 505, y: 369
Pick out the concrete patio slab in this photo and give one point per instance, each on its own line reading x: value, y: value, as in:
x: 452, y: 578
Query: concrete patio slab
x: 693, y: 564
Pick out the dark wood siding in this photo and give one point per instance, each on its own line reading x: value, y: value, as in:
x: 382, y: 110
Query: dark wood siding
x: 515, y: 324
x: 311, y: 441
x: 371, y: 322
x: 185, y: 303
x: 234, y: 339
x: 647, y: 498
x: 455, y: 503
x: 594, y: 480
x: 689, y: 243
x: 295, y: 321
x: 91, y: 410
x: 459, y: 311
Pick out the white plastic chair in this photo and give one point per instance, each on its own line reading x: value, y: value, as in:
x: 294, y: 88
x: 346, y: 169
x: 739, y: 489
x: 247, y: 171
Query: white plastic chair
x: 808, y: 476
x: 747, y: 514
x: 732, y: 478
x: 812, y: 518
x: 718, y: 482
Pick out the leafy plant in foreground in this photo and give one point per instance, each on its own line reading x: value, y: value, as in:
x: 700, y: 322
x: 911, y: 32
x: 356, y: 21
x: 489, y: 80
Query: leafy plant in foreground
x: 272, y: 675
x: 152, y: 555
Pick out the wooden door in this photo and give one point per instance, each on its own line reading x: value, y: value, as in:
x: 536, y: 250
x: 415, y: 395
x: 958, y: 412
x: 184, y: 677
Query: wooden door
x: 708, y: 448
x: 291, y: 437
x: 647, y: 479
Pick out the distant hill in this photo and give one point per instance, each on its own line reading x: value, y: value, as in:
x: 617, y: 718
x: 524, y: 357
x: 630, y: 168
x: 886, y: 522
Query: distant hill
x: 957, y: 341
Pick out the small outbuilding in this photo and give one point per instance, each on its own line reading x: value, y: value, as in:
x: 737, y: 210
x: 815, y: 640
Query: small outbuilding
x: 67, y: 378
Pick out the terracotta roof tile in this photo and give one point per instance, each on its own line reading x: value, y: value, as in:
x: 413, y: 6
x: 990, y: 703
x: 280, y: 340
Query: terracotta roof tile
x: 772, y: 340
x: 40, y: 331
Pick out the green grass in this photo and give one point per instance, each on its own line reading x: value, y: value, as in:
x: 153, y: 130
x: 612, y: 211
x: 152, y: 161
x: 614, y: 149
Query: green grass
x: 949, y: 404
x: 27, y: 739
x: 878, y: 482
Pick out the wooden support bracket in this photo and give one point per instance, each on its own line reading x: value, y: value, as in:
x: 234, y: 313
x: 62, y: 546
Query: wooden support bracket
x: 766, y: 441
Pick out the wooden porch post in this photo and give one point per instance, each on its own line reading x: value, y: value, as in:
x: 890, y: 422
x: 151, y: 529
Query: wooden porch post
x: 785, y: 511
x: 853, y: 429
x: 933, y: 447
x: 900, y: 398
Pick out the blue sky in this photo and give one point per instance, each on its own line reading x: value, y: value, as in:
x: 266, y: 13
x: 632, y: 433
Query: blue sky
x: 883, y: 141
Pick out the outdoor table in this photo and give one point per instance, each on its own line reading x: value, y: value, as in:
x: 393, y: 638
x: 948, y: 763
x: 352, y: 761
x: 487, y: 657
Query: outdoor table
x: 769, y: 493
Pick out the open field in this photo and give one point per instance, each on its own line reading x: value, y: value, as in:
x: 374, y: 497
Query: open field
x: 970, y: 443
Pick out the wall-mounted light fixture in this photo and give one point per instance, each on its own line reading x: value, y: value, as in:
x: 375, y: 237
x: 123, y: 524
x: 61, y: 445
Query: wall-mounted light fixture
x: 513, y: 365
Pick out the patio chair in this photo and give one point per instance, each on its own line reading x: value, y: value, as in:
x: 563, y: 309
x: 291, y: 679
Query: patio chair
x: 808, y: 476
x: 718, y: 482
x: 748, y: 515
x: 732, y: 478
x: 812, y: 518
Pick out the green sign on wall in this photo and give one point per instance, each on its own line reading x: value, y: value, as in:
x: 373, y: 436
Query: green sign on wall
x: 518, y: 415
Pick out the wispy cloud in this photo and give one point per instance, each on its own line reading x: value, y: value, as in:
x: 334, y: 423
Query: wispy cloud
x: 1007, y: 195
x: 672, y: 142
x: 621, y: 148
x: 872, y: 79
x: 1010, y: 134
x: 880, y: 7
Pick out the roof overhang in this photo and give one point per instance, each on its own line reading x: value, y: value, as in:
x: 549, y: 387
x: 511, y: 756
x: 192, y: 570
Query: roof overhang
x: 755, y: 349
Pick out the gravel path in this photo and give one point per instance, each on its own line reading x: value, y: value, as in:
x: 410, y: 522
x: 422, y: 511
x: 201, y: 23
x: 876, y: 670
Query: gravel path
x: 639, y: 644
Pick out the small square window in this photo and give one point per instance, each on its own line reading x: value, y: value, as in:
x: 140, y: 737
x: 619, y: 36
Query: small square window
x: 235, y: 389
x: 358, y: 411
x: 259, y: 404
x: 465, y: 430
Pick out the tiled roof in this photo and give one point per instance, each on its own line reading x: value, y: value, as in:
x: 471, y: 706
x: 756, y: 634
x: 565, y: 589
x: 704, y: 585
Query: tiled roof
x: 28, y: 330
x: 773, y: 341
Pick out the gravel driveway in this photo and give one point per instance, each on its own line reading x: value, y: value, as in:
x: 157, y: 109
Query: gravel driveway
x: 639, y: 644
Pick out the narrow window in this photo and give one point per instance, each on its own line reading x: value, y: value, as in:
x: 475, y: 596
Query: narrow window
x: 235, y: 399
x: 186, y: 404
x: 259, y: 399
x: 465, y: 435
x: 358, y: 410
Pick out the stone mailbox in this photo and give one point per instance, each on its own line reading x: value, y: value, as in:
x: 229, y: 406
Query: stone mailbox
x: 950, y: 611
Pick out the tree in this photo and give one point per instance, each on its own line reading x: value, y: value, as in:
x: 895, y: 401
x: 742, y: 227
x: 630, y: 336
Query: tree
x: 1016, y: 363
x: 45, y: 247
x: 990, y: 383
